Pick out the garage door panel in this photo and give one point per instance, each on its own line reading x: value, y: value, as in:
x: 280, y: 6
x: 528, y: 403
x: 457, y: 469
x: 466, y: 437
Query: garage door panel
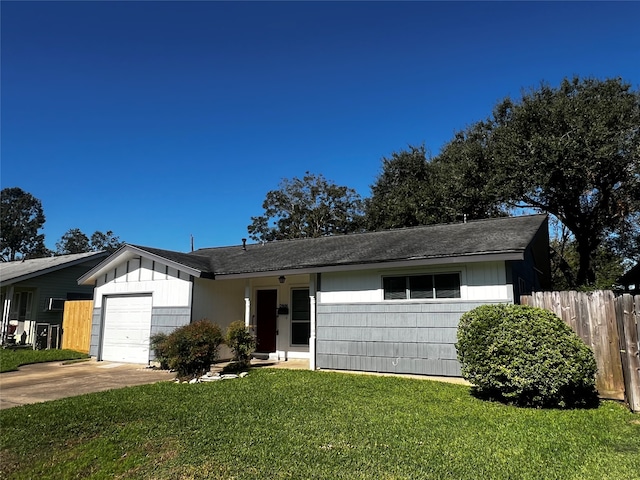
x: 127, y: 327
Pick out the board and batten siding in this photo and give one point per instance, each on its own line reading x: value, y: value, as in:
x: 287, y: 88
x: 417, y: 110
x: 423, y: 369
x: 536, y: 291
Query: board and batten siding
x: 358, y: 330
x: 170, y: 290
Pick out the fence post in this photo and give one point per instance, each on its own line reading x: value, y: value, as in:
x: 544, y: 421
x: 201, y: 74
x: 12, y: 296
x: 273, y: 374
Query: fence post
x: 627, y: 313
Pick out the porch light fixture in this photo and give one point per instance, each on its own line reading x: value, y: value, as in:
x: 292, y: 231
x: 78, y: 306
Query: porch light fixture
x: 281, y: 279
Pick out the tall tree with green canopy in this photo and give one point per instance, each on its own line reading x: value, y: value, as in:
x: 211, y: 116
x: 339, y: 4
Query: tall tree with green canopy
x: 21, y: 219
x: 107, y: 242
x: 307, y: 207
x: 413, y: 189
x: 76, y: 241
x: 403, y: 194
x: 574, y: 152
x: 73, y: 241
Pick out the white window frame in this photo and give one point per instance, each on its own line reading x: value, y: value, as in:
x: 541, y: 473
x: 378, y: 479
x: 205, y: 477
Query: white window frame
x: 292, y: 321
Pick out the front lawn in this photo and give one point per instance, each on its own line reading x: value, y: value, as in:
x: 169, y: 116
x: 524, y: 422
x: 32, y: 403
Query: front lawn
x: 313, y: 425
x: 11, y: 359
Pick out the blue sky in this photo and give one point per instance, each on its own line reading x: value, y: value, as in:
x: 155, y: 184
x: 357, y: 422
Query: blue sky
x: 159, y: 120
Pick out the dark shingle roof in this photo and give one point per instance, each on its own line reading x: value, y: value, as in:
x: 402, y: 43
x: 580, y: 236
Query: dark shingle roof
x: 193, y: 260
x: 492, y: 236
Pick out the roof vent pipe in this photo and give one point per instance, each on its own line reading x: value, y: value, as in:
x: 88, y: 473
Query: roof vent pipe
x: 244, y: 243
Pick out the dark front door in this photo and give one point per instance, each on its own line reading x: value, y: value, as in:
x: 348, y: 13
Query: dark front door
x: 266, y: 321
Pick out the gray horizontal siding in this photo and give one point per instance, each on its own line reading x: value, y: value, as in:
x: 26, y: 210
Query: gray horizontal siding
x: 95, y: 332
x: 416, y: 338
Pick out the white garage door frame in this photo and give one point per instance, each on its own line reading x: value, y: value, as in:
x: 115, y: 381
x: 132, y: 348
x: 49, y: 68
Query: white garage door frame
x: 124, y: 340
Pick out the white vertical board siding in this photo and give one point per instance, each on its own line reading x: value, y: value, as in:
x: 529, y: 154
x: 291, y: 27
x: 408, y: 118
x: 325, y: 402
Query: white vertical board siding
x: 168, y: 290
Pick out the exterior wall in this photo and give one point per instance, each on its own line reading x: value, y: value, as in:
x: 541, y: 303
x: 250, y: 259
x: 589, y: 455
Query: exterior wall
x: 479, y: 281
x: 169, y: 288
x: 220, y: 301
x: 57, y: 284
x: 358, y: 330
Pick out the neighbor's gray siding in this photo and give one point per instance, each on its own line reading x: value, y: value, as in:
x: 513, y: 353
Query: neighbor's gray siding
x: 163, y: 320
x: 416, y: 338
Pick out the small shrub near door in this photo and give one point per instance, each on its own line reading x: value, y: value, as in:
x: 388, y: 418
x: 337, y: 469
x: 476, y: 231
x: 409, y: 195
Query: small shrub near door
x: 241, y: 343
x: 157, y: 343
x: 190, y: 350
x: 526, y: 356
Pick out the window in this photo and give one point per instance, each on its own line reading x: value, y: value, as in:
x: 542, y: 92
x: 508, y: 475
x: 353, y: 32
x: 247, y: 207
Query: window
x: 443, y: 285
x: 300, y: 317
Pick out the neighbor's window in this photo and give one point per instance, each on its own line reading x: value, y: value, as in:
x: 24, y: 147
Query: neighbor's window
x: 443, y: 285
x: 300, y: 317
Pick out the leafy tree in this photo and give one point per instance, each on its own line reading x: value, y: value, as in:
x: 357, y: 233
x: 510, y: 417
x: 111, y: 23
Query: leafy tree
x: 464, y: 176
x: 307, y: 207
x: 105, y: 241
x: 608, y: 264
x: 404, y: 193
x: 73, y: 241
x: 21, y: 219
x: 574, y: 152
x: 415, y: 190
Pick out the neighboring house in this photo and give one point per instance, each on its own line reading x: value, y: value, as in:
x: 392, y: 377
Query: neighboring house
x: 33, y: 294
x: 386, y: 301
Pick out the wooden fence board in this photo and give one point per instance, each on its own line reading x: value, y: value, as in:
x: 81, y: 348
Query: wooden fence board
x: 76, y: 325
x: 628, y: 313
x: 593, y: 317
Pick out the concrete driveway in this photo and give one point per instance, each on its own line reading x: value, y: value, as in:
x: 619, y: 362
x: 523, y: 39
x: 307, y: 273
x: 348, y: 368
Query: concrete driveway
x: 50, y: 381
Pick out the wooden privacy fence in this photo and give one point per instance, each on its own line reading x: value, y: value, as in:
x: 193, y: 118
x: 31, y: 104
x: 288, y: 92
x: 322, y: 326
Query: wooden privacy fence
x: 610, y: 326
x: 76, y: 325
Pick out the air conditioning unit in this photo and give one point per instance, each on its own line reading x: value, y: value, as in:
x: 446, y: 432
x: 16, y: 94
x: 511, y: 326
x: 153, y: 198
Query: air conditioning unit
x: 55, y: 304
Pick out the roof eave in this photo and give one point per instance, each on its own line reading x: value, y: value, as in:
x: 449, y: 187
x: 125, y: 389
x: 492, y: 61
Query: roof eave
x: 413, y: 262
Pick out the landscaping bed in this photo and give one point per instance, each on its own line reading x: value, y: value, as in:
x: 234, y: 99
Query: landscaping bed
x: 313, y: 425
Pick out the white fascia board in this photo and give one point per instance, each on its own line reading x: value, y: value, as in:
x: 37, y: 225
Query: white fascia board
x: 129, y: 252
x: 418, y: 262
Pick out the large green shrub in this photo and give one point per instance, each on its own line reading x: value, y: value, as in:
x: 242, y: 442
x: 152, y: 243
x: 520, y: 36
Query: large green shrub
x: 192, y: 349
x: 241, y: 342
x: 525, y: 356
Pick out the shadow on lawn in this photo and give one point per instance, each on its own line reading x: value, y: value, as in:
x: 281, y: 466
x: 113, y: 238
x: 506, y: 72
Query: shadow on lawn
x: 568, y: 400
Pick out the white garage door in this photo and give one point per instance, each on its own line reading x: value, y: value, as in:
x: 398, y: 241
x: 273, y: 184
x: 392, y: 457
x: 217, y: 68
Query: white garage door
x: 127, y: 326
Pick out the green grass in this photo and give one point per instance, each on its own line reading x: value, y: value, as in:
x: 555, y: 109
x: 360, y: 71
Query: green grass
x: 11, y: 359
x: 313, y: 425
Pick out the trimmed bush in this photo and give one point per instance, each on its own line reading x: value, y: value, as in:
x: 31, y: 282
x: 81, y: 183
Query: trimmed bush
x: 525, y: 356
x: 157, y: 343
x: 241, y: 343
x: 192, y: 349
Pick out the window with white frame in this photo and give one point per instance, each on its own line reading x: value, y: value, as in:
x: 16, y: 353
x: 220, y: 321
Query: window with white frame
x: 300, y: 317
x: 405, y: 287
